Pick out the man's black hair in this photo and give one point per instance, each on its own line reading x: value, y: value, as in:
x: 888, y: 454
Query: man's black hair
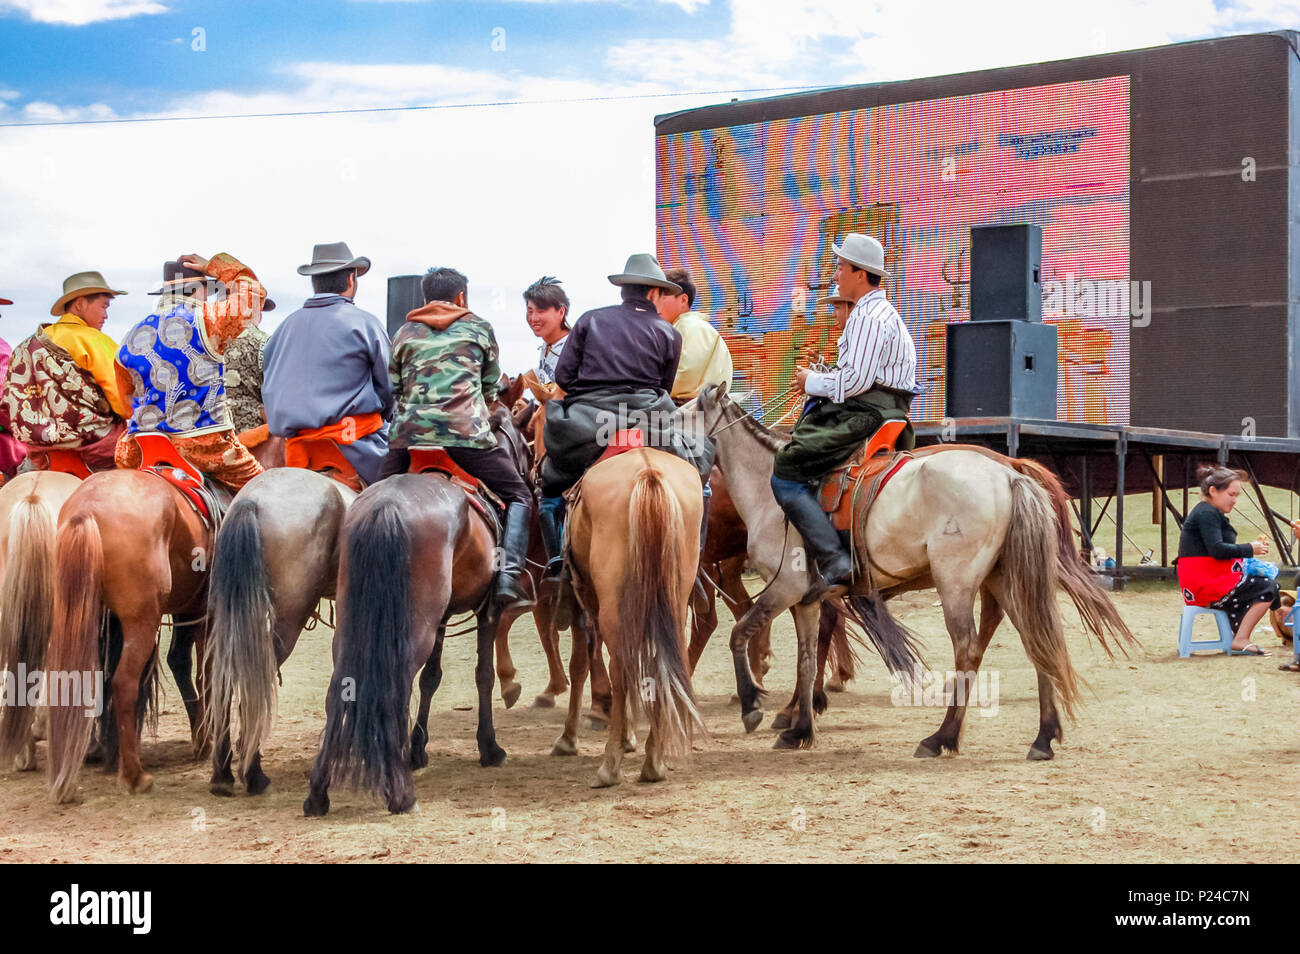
x: 335, y: 283
x: 443, y: 284
x: 682, y: 277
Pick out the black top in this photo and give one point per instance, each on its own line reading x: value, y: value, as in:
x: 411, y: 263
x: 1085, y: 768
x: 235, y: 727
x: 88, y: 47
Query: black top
x: 622, y: 346
x: 1207, y: 533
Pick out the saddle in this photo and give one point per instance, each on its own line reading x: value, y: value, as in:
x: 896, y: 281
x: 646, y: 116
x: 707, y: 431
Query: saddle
x: 322, y: 455
x: 160, y: 458
x: 435, y: 460
x: 877, y: 462
x: 68, y: 462
x: 623, y: 442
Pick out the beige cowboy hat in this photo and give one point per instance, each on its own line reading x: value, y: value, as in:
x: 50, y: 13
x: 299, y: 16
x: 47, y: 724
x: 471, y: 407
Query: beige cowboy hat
x: 334, y: 257
x: 835, y: 298
x: 644, y: 269
x: 864, y: 252
x: 80, y: 285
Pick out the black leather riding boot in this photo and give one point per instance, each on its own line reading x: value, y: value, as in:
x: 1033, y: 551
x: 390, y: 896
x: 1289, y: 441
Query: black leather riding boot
x: 550, y: 520
x: 820, y: 538
x: 514, y: 545
x: 704, y: 523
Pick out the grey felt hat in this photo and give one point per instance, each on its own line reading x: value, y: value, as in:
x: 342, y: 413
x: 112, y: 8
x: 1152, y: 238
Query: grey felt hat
x: 334, y: 257
x: 644, y: 269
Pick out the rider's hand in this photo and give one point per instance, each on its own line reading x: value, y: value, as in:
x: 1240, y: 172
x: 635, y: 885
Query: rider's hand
x: 801, y: 378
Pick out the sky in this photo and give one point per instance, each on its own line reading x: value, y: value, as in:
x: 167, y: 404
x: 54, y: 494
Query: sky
x: 538, y: 159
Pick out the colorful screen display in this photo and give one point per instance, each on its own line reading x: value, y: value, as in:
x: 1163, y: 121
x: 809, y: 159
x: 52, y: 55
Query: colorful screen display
x: 753, y: 210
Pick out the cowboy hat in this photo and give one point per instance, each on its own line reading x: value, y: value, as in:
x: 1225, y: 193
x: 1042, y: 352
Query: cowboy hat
x: 644, y: 269
x: 80, y: 285
x: 177, y: 275
x: 835, y: 298
x: 864, y: 252
x: 334, y: 257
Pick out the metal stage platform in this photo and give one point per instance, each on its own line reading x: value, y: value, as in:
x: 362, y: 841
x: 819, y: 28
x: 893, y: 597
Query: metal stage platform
x: 1094, y: 460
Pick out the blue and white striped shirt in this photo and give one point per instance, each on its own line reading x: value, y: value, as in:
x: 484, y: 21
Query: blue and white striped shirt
x: 875, y: 348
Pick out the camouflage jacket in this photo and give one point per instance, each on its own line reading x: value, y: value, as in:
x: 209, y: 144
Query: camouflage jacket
x: 445, y: 372
x: 243, y: 373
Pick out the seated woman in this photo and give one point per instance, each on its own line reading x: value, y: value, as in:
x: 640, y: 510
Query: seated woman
x: 1210, y: 561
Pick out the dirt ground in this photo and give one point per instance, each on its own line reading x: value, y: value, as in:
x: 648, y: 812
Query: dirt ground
x: 1170, y: 760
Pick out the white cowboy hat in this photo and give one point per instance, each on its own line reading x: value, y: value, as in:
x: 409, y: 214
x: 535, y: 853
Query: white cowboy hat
x: 644, y: 269
x: 864, y: 252
x: 334, y: 257
x: 80, y: 285
x: 835, y: 298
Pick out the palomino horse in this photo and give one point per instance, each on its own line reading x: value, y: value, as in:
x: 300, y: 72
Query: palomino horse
x: 29, y: 514
x: 129, y: 549
x: 276, y: 558
x: 633, y: 552
x: 412, y: 554
x: 957, y: 521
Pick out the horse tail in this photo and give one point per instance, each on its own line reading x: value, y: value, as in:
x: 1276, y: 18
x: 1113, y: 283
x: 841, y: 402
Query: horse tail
x: 1030, y: 570
x: 842, y: 656
x: 652, y: 616
x: 241, y: 643
x: 74, y: 646
x: 367, y: 737
x: 1098, y: 613
x: 27, y: 596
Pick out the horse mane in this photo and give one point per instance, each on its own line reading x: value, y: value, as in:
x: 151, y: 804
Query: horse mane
x: 764, y: 435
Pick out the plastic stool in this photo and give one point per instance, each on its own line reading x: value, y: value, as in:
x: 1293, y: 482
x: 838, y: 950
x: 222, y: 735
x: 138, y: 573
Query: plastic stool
x: 1222, y: 643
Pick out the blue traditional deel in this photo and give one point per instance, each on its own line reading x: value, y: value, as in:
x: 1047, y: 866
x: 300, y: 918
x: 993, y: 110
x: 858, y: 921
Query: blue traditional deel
x: 177, y: 380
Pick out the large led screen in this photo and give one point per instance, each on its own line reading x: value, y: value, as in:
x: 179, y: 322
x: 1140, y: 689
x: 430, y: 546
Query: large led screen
x: 753, y: 209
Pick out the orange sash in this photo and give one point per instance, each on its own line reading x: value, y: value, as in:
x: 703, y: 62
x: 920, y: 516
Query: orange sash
x: 347, y: 431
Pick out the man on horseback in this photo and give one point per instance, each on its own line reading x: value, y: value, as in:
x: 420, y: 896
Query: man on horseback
x: 174, y: 361
x: 445, y: 373
x: 874, y: 381
x: 325, y: 369
x: 617, y: 371
x: 63, y: 390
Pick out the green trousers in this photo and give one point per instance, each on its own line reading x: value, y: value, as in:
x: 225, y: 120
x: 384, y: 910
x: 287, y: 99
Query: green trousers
x: 829, y: 434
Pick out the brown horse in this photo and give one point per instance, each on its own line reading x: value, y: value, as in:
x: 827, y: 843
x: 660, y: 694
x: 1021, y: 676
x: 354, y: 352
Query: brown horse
x: 29, y: 514
x: 633, y: 554
x: 129, y: 550
x: 413, y: 553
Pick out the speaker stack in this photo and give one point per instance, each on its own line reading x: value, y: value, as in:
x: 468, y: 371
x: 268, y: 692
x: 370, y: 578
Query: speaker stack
x: 1002, y: 363
x: 404, y: 296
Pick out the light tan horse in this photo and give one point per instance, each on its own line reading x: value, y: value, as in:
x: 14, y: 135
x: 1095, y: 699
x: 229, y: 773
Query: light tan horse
x: 634, y: 546
x: 29, y: 513
x: 959, y: 522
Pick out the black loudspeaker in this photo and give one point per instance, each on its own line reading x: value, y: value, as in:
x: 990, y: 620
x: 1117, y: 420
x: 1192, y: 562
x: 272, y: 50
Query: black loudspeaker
x: 1001, y: 369
x: 1006, y: 263
x: 404, y: 296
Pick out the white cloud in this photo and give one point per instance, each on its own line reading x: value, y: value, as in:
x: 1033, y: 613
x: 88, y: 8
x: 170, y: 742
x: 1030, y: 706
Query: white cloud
x: 40, y: 112
x: 81, y: 12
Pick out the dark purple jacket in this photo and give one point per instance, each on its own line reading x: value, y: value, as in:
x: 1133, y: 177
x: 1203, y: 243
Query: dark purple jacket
x: 623, y: 346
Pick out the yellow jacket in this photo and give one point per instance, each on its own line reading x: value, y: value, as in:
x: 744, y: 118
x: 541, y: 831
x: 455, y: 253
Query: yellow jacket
x: 95, y: 353
x: 705, y: 358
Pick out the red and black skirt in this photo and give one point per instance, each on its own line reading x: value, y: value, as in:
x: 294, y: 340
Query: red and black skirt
x: 1224, y: 585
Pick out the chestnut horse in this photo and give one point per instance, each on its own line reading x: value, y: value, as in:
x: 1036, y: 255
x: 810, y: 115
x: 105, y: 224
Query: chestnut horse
x: 29, y: 514
x: 633, y: 555
x: 412, y: 554
x: 129, y: 550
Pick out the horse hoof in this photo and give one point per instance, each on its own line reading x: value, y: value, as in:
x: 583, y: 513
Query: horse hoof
x: 223, y: 789
x: 782, y: 720
x: 786, y: 740
x: 923, y: 751
x: 257, y: 784
x: 492, y: 757
x: 511, y: 695
x: 141, y: 784
x: 835, y: 687
x: 26, y: 762
x: 735, y: 699
x: 316, y: 808
x: 604, y: 778
x: 650, y: 775
x: 544, y: 701
x: 564, y: 746
x: 1038, y: 755
x: 419, y: 758
x: 629, y: 745
x: 752, y: 719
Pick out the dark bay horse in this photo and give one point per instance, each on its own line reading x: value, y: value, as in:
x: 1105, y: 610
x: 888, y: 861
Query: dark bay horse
x: 129, y: 550
x: 412, y: 554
